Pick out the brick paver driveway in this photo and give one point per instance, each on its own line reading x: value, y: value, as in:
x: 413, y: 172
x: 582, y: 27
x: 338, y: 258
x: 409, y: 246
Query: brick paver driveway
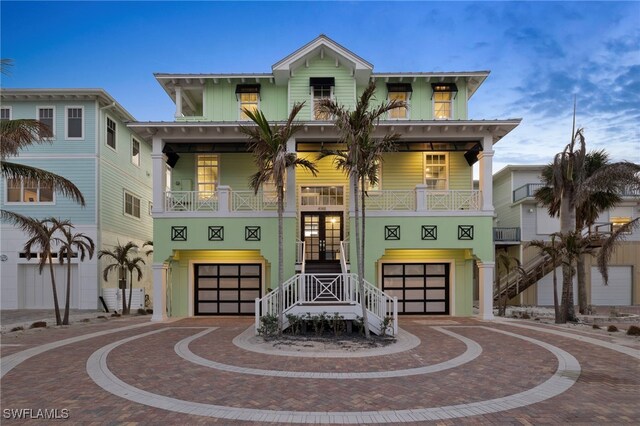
x: 192, y: 371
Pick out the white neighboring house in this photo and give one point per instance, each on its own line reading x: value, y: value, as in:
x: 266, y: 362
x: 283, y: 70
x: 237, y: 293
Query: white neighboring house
x: 519, y: 220
x: 107, y: 161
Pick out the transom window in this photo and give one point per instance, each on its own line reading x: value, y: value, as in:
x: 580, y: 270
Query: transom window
x: 111, y: 133
x: 207, y: 174
x: 131, y: 205
x: 135, y: 152
x: 5, y: 113
x: 435, y: 171
x: 75, y: 123
x: 46, y: 115
x: 28, y: 191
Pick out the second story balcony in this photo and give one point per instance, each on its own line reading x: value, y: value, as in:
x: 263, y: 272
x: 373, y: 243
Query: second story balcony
x: 526, y: 191
x: 223, y: 201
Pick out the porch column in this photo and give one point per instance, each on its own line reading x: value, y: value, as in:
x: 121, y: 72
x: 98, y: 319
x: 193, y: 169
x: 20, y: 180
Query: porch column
x: 290, y: 193
x: 159, y: 175
x: 178, y: 102
x: 486, y: 173
x: 421, y: 198
x: 159, y: 291
x: 224, y: 195
x: 485, y: 290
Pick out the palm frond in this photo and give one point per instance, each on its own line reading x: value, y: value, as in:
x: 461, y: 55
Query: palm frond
x: 45, y: 178
x: 609, y: 245
x: 19, y: 134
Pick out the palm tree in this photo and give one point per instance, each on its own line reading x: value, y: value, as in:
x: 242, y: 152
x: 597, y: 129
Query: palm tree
x: 610, y: 244
x: 133, y: 265
x: 269, y: 146
x: 504, y: 261
x: 83, y: 245
x: 43, y: 240
x: 120, y: 257
x: 149, y: 251
x: 551, y: 249
x: 361, y: 159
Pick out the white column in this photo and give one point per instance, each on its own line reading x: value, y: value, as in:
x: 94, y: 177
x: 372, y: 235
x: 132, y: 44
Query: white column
x: 224, y: 194
x: 290, y: 193
x: 159, y: 291
x: 486, y: 173
x: 178, y: 102
x: 159, y: 175
x: 485, y: 291
x: 421, y: 197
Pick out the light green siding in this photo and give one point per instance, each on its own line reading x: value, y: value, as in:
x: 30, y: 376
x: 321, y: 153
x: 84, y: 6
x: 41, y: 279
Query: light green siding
x: 502, y: 195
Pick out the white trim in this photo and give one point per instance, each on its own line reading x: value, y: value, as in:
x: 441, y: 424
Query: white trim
x: 53, y: 127
x: 26, y: 203
x: 66, y: 123
x: 124, y: 204
x: 10, y: 108
x: 133, y: 139
x: 106, y: 133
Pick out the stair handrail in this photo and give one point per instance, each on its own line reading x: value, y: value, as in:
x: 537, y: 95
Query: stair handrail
x: 268, y: 304
x: 377, y: 302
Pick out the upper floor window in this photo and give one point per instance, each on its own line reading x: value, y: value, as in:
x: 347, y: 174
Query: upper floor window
x: 111, y: 133
x: 443, y: 96
x: 321, y: 88
x: 46, y: 115
x: 131, y: 205
x: 248, y: 96
x: 75, y: 123
x: 399, y: 92
x: 135, y: 152
x: 28, y: 191
x: 207, y: 175
x: 5, y: 113
x: 435, y: 171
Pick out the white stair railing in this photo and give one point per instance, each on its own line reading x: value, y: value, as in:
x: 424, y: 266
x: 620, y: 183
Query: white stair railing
x: 301, y: 247
x: 268, y: 305
x: 378, y: 303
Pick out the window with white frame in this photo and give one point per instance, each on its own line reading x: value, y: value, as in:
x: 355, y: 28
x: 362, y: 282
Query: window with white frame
x: 29, y: 191
x: 207, y: 175
x: 131, y: 205
x: 248, y: 96
x: 5, y: 113
x: 443, y: 96
x: 46, y: 115
x: 135, y: 152
x: 321, y: 88
x: 399, y: 92
x: 111, y: 133
x: 436, y: 173
x: 75, y: 123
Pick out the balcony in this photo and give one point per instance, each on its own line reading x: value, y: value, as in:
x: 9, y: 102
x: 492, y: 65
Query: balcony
x: 422, y: 200
x: 526, y: 191
x: 502, y: 235
x: 224, y: 200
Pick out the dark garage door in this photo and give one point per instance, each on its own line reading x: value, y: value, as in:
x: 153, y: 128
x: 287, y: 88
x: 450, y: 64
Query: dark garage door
x: 226, y: 289
x: 421, y: 288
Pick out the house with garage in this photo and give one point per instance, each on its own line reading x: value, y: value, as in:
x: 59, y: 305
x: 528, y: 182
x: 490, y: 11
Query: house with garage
x: 519, y: 220
x: 427, y: 227
x: 110, y: 164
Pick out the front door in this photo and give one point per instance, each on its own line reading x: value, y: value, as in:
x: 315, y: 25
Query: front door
x: 322, y: 233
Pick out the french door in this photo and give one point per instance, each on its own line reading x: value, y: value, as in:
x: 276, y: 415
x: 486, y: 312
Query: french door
x: 322, y: 233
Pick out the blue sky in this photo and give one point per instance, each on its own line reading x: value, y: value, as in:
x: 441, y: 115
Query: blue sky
x: 540, y: 55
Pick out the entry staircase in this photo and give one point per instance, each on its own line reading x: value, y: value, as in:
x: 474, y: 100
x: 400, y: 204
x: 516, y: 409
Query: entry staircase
x: 519, y: 280
x: 330, y: 291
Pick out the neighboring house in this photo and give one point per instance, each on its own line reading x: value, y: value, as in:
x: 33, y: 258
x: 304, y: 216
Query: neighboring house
x: 216, y: 241
x: 108, y: 162
x: 519, y: 220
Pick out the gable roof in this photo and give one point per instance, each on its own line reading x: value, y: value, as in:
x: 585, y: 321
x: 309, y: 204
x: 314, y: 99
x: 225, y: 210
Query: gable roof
x: 322, y: 46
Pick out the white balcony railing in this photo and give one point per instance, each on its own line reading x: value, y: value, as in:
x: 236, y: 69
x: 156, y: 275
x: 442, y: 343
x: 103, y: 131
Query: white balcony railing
x: 194, y: 201
x: 250, y: 201
x: 391, y: 200
x: 452, y: 200
x: 221, y: 200
x: 422, y: 199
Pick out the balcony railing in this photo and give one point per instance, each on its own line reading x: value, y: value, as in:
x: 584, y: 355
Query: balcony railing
x: 391, y: 200
x: 222, y: 200
x: 250, y: 201
x: 506, y: 234
x: 194, y: 201
x: 526, y: 191
x: 422, y: 199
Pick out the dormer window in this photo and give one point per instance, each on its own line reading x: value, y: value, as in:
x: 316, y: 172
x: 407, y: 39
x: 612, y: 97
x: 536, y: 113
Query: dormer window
x: 399, y: 92
x: 248, y: 96
x: 321, y: 88
x: 443, y: 96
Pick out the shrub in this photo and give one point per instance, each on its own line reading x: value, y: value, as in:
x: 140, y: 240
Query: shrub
x: 142, y: 311
x: 612, y: 329
x: 39, y: 324
x: 268, y: 326
x: 319, y: 322
x: 295, y: 324
x: 19, y: 328
x: 385, y: 325
x: 150, y: 311
x: 633, y: 330
x: 596, y: 327
x: 525, y: 315
x: 337, y: 323
x: 359, y: 322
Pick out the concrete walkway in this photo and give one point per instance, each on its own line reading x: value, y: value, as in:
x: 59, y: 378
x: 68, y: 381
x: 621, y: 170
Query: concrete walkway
x: 197, y: 371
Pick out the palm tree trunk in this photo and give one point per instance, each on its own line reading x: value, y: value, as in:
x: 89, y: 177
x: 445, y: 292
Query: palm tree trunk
x: 280, y: 259
x: 130, y: 293
x: 567, y: 224
x: 506, y: 294
x: 362, y: 249
x: 65, y: 321
x: 499, y: 287
x: 556, y: 307
x: 359, y: 257
x: 582, y: 283
x: 124, y: 291
x: 56, y: 306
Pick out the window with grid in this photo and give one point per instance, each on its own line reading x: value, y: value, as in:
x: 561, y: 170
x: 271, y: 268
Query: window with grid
x: 45, y: 116
x: 207, y: 175
x: 247, y: 101
x: 75, y: 123
x: 435, y: 171
x: 398, y: 113
x: 135, y: 152
x: 5, y: 113
x: 442, y: 105
x: 320, y: 93
x: 111, y: 133
x: 131, y: 205
x: 28, y: 191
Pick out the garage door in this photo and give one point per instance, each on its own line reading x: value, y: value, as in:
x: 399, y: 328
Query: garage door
x: 618, y: 290
x: 37, y: 291
x: 421, y: 288
x: 226, y: 289
x: 545, y: 289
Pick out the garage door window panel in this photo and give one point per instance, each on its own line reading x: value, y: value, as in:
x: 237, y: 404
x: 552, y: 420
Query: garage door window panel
x: 226, y: 288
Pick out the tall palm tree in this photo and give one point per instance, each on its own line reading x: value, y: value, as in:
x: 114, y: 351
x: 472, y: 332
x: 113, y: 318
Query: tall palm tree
x: 70, y: 242
x: 361, y: 158
x: 120, y: 261
x: 44, y: 240
x: 268, y: 143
